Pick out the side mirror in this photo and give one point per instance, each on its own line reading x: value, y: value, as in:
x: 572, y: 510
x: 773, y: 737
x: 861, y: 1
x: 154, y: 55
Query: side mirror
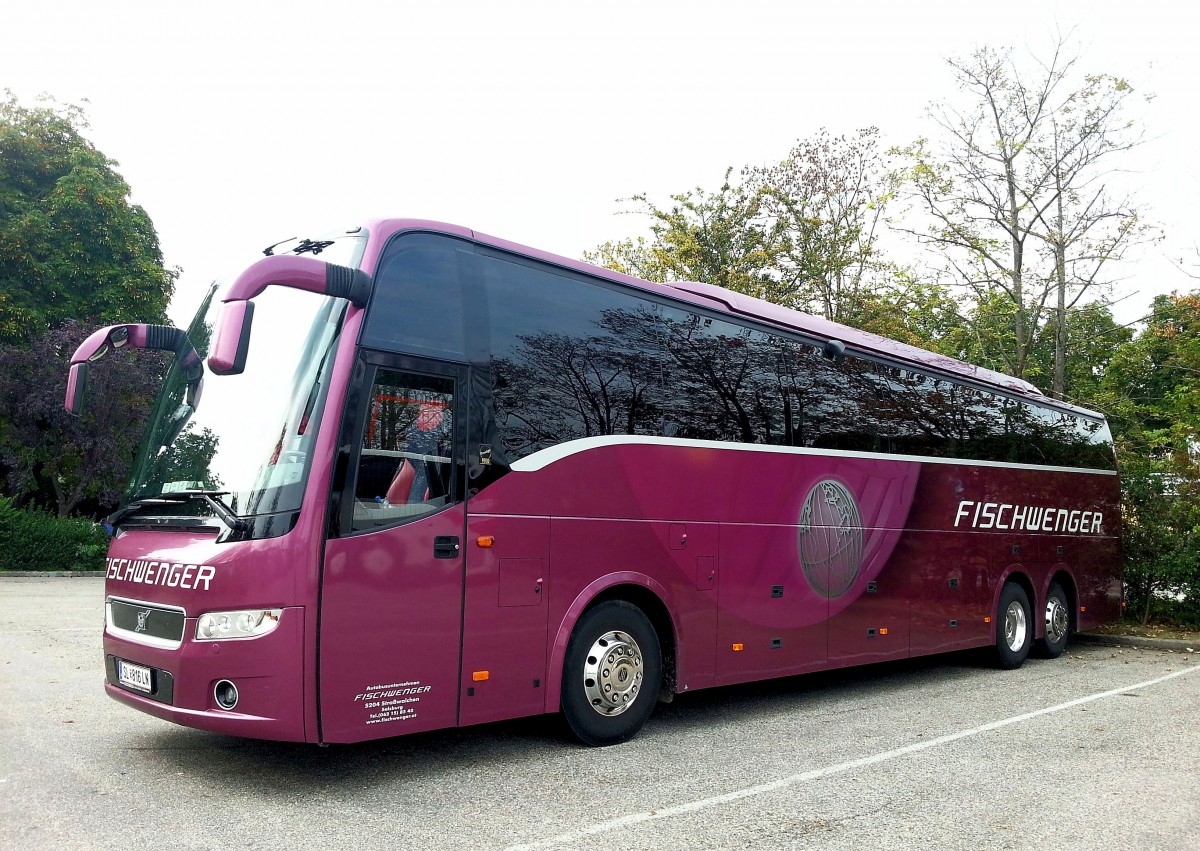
x: 139, y: 336
x: 231, y: 342
x: 76, y: 388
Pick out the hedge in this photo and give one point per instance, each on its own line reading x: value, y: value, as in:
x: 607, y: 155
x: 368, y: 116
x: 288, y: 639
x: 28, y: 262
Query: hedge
x: 38, y: 540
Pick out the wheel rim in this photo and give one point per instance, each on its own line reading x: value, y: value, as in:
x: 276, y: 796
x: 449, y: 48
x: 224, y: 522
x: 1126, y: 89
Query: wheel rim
x: 1056, y: 620
x: 1016, y: 626
x: 612, y: 673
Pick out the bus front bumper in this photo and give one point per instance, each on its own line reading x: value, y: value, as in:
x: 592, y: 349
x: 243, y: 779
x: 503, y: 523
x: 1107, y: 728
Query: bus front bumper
x: 188, y: 684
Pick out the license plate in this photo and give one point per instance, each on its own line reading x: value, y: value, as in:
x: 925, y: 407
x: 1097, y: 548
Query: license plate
x: 134, y: 676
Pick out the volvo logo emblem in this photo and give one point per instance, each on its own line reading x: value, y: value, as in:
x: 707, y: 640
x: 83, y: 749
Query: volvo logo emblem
x: 143, y: 616
x: 830, y: 538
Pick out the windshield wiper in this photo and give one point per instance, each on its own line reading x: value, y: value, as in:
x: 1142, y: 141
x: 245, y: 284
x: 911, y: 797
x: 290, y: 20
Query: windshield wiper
x: 209, y: 498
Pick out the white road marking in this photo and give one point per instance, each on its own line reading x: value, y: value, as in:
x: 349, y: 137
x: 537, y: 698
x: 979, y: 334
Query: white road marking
x: 571, y: 837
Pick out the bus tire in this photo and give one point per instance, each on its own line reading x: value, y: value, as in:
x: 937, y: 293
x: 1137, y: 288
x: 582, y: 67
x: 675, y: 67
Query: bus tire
x: 1014, y: 627
x: 1057, y: 623
x: 611, y: 675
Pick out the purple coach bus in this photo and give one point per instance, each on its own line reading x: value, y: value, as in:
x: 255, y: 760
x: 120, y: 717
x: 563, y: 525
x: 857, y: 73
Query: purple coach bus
x: 413, y: 477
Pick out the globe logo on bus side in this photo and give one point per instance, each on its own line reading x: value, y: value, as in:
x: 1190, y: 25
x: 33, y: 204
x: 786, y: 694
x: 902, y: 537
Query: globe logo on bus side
x: 830, y: 538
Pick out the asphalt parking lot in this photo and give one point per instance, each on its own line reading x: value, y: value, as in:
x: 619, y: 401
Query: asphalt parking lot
x: 1099, y: 749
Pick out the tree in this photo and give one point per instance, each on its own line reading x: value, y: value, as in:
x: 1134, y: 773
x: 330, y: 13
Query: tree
x: 1084, y: 230
x: 911, y: 311
x: 984, y: 336
x: 1078, y: 350
x: 801, y: 233
x: 1016, y: 197
x: 715, y: 238
x: 1152, y: 395
x: 187, y: 459
x: 61, y: 458
x: 74, y: 253
x: 826, y: 201
x: 72, y: 245
x: 1152, y: 386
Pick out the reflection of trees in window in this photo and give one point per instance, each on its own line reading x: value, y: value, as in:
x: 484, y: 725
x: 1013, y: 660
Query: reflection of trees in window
x: 392, y: 416
x: 403, y: 417
x: 555, y: 387
x: 722, y: 383
x: 405, y: 467
x: 917, y: 414
x: 1062, y: 439
x: 663, y: 370
x: 188, y: 459
x: 188, y: 455
x: 822, y: 404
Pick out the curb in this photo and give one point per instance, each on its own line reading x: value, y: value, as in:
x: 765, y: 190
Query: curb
x: 34, y: 574
x: 1175, y: 644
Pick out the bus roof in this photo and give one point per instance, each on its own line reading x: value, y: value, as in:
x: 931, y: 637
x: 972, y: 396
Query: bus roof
x: 740, y: 305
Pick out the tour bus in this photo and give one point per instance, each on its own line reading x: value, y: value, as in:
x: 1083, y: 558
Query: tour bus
x: 408, y: 477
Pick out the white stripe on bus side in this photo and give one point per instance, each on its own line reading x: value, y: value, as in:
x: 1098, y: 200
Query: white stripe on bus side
x: 545, y: 457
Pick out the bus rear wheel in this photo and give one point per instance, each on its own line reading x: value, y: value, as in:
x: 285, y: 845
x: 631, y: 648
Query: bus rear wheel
x: 1014, y: 627
x: 612, y: 674
x: 1058, y: 623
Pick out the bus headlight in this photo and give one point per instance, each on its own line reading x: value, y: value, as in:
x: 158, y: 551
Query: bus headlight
x: 251, y: 623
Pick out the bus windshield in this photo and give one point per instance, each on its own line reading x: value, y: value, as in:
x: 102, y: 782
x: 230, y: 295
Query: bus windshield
x: 251, y: 435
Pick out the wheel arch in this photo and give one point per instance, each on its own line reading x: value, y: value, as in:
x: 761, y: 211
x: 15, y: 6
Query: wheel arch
x: 1019, y: 576
x: 634, y: 588
x: 1066, y: 582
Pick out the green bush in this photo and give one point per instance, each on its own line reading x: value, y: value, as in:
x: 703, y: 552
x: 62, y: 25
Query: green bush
x: 1161, y: 521
x: 38, y: 540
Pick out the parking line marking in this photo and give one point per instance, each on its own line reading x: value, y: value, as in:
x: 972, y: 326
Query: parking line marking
x: 570, y: 837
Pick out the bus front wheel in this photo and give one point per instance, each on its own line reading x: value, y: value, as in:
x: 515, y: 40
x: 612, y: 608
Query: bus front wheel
x: 1014, y: 627
x: 612, y: 674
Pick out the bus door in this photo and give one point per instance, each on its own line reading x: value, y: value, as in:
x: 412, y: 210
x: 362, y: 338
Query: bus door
x: 392, y: 582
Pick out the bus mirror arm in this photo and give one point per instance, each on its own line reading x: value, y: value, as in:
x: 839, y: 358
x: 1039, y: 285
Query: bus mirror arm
x: 133, y: 336
x: 232, y: 339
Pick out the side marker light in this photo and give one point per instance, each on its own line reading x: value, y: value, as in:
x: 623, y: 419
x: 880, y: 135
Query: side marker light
x: 883, y: 630
x: 479, y: 676
x: 486, y: 541
x: 738, y: 647
x: 987, y: 620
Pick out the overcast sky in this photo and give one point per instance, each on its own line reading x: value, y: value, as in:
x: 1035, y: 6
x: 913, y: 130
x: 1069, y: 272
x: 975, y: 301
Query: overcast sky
x: 240, y: 124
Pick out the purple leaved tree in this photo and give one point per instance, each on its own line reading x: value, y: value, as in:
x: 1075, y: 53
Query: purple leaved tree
x: 48, y: 456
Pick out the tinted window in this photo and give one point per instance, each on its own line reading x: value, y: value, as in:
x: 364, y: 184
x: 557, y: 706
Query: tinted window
x: 418, y: 302
x: 569, y: 359
x: 1064, y: 439
x: 893, y: 409
x: 725, y: 382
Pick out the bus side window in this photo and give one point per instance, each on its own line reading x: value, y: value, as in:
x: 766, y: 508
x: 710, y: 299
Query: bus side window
x: 405, y: 455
